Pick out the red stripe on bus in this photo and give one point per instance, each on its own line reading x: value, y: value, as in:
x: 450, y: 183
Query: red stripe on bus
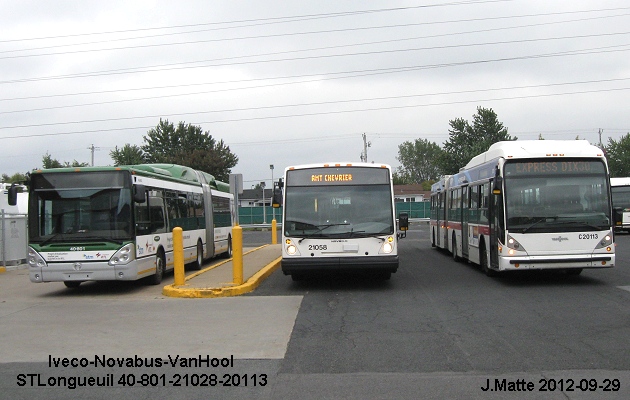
x: 455, y: 225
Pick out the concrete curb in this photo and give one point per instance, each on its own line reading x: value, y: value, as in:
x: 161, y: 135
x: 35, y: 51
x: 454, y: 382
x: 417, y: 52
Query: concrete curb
x: 248, y: 286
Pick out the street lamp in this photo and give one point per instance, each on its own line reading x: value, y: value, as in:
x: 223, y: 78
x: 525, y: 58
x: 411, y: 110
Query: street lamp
x: 273, y: 210
x: 262, y: 185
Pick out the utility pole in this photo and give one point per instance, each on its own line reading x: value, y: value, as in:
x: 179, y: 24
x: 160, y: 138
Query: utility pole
x: 601, y: 146
x: 92, y: 148
x: 366, y: 144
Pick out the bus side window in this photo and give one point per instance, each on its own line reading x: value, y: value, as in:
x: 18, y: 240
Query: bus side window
x: 484, y: 198
x: 172, y: 210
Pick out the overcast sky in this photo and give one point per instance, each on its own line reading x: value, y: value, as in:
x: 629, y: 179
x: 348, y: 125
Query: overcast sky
x: 293, y: 82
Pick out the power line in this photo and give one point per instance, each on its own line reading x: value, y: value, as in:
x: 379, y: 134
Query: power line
x: 337, y: 55
x: 398, y: 97
x: 596, y: 50
x: 268, y: 20
x: 459, y: 21
x: 291, y: 34
x: 327, y: 112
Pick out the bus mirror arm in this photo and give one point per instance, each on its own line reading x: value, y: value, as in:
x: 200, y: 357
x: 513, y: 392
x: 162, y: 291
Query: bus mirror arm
x: 139, y: 194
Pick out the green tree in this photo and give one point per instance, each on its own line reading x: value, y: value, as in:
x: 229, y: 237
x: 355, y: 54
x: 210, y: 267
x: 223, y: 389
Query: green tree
x: 618, y: 155
x: 466, y: 140
x: 188, y: 145
x: 418, y: 161
x: 127, y: 155
x: 15, y: 178
x: 49, y: 162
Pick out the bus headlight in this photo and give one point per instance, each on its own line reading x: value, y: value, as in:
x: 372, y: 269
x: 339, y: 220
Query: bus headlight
x: 122, y: 256
x: 388, y: 246
x: 35, y: 259
x: 513, y: 246
x: 290, y: 248
x: 605, y: 242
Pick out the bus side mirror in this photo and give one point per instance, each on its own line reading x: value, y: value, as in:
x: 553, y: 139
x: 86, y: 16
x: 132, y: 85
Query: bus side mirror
x: 498, y: 185
x: 403, y: 224
x: 139, y: 194
x: 276, y: 200
x: 12, y: 193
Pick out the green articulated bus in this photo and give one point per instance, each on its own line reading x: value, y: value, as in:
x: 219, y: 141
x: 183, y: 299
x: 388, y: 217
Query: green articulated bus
x: 116, y: 223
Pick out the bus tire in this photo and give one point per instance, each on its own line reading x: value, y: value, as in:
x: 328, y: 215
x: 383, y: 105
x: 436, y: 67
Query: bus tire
x: 72, y: 284
x: 483, y: 261
x: 574, y: 271
x: 454, y: 243
x: 228, y: 253
x: 432, y: 237
x: 383, y: 275
x: 198, y: 263
x: 160, y: 266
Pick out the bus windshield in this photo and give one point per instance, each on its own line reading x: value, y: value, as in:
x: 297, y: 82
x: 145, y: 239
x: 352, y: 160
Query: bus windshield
x: 342, y: 211
x: 556, y: 196
x: 62, y: 209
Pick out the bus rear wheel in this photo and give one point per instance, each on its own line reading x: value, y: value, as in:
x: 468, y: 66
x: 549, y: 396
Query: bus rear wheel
x: 198, y: 264
x: 72, y: 284
x: 228, y: 253
x: 574, y: 271
x: 454, y: 243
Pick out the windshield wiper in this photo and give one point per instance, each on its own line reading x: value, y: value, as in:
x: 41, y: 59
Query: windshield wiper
x: 45, y: 242
x: 582, y: 223
x: 536, y: 223
x: 321, y: 228
x: 109, y: 239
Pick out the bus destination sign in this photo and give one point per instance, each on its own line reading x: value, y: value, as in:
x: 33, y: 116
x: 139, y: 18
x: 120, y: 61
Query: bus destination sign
x: 331, y: 178
x: 338, y: 176
x: 553, y: 167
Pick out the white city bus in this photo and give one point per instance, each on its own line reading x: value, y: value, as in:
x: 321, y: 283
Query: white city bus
x: 525, y: 205
x: 115, y: 223
x: 620, y: 188
x: 339, y: 217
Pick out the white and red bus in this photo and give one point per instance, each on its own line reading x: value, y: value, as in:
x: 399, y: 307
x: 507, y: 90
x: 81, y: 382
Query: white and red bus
x: 524, y: 205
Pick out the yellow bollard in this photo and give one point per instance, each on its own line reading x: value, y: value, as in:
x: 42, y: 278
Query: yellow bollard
x: 178, y: 256
x: 274, y: 231
x: 237, y: 255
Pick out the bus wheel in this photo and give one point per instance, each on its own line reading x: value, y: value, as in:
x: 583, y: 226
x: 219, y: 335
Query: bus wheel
x: 574, y: 271
x: 72, y: 284
x: 228, y: 253
x: 160, y: 265
x: 198, y: 264
x: 483, y: 261
x: 454, y: 242
x: 432, y: 237
x: 383, y: 275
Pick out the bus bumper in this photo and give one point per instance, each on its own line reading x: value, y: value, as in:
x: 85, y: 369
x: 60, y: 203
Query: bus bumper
x: 71, y: 271
x: 566, y: 262
x: 339, y: 264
